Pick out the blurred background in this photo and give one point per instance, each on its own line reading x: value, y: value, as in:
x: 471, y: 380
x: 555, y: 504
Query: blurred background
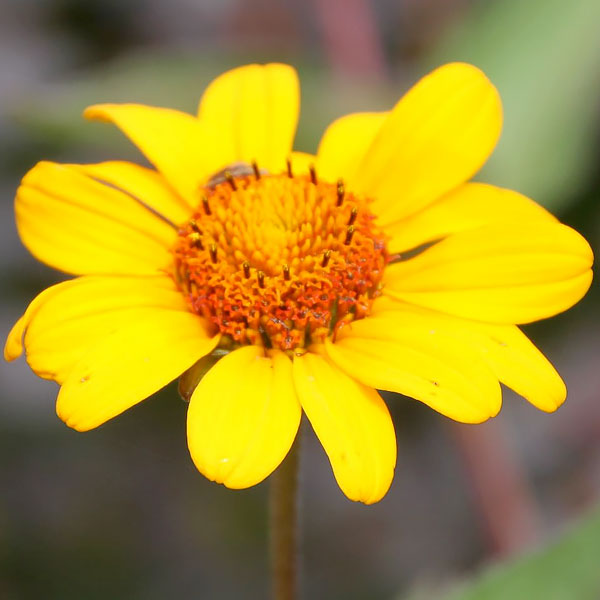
x: 508, y: 509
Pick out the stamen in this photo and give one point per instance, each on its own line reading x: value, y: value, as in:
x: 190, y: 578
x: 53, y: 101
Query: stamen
x: 265, y: 337
x: 213, y: 253
x: 206, y: 206
x: 349, y: 234
x: 230, y: 180
x: 235, y: 256
x: 340, y: 192
x: 196, y: 240
x: 353, y: 215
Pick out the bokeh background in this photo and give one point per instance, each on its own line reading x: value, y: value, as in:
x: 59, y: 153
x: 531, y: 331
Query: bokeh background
x: 508, y: 509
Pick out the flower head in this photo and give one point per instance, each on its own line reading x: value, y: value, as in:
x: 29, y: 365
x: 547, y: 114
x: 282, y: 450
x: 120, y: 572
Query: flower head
x: 309, y: 281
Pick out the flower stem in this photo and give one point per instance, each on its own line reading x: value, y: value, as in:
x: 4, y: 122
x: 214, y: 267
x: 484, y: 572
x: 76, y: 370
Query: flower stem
x: 283, y: 526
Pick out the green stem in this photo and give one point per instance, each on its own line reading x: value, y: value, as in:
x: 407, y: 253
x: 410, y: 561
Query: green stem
x: 283, y: 526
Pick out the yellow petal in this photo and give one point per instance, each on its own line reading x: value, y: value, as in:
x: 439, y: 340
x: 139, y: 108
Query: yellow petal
x: 130, y: 364
x: 514, y: 360
x: 65, y: 320
x: 418, y: 360
x: 243, y: 417
x: 149, y: 187
x: 500, y: 273
x: 437, y: 136
x: 13, y: 347
x: 467, y: 207
x: 302, y: 162
x: 345, y: 143
x: 185, y: 151
x: 254, y: 109
x: 353, y: 424
x: 78, y: 225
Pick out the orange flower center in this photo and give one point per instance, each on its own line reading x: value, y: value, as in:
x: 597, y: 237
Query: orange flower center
x: 279, y: 260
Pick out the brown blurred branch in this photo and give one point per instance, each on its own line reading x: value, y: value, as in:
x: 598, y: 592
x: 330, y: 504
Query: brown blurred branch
x: 351, y: 38
x: 499, y: 486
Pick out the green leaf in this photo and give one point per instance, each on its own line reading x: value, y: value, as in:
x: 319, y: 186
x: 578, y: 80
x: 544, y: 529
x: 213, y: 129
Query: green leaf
x: 544, y: 57
x: 568, y: 569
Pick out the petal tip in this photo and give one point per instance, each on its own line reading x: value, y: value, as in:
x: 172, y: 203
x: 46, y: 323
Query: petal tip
x: 554, y: 403
x: 70, y: 421
x: 461, y: 67
x: 97, y: 112
x: 13, y: 348
x: 461, y: 64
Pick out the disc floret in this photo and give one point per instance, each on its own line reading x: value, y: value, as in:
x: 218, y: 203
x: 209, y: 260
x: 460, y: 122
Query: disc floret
x: 279, y: 260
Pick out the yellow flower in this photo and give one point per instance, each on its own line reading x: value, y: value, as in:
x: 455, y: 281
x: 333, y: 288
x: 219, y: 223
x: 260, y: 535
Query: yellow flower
x: 372, y: 265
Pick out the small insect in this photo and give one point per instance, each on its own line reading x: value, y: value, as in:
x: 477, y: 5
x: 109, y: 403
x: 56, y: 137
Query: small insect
x: 237, y: 169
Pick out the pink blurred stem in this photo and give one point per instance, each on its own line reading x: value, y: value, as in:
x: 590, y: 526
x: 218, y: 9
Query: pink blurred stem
x: 350, y: 38
x: 499, y: 486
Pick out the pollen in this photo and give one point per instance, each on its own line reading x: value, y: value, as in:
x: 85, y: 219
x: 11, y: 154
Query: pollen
x: 282, y: 261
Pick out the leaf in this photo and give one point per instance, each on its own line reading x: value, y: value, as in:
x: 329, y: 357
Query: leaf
x: 544, y: 57
x: 568, y: 569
